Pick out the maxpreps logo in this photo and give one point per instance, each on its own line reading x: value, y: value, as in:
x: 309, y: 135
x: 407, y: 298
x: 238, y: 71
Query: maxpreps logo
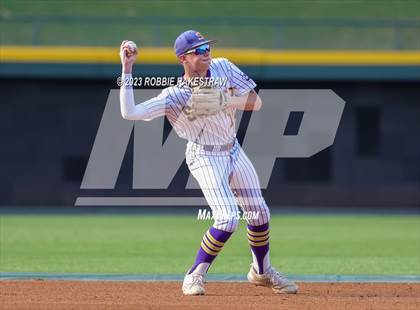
x: 292, y: 123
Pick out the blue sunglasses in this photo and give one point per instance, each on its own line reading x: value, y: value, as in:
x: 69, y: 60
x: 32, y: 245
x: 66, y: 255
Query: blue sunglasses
x: 201, y: 50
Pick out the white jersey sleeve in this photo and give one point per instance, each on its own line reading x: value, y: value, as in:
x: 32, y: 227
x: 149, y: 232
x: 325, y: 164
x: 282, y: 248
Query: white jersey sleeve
x: 146, y: 110
x: 240, y: 82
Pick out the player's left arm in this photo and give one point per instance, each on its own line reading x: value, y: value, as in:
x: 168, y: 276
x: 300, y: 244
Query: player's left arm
x: 241, y: 95
x: 247, y: 102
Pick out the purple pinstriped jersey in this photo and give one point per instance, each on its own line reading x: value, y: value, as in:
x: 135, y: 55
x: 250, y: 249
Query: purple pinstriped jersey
x: 217, y: 129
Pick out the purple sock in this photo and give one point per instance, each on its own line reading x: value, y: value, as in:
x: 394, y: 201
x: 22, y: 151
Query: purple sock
x: 258, y: 240
x: 211, y: 245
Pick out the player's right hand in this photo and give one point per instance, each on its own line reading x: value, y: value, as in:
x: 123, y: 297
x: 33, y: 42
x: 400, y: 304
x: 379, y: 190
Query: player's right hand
x: 127, y: 60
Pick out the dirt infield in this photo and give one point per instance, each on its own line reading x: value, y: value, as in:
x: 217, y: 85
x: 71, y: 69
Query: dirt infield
x: 38, y: 294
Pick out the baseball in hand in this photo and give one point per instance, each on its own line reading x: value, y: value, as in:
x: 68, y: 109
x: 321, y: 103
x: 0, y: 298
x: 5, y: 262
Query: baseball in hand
x: 131, y: 48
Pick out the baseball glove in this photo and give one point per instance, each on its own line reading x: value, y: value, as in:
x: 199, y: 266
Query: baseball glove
x: 206, y: 101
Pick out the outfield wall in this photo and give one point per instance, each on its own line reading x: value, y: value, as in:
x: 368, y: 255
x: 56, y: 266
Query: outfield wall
x: 49, y: 126
x: 263, y: 64
x: 53, y: 99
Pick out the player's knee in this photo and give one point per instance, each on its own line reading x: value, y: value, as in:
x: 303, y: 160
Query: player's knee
x: 234, y: 223
x: 229, y: 223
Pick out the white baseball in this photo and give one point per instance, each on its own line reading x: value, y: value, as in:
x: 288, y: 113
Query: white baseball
x: 132, y: 48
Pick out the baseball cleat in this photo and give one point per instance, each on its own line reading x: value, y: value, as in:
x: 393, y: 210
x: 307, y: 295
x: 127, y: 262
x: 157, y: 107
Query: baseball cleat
x: 274, y: 279
x: 193, y: 284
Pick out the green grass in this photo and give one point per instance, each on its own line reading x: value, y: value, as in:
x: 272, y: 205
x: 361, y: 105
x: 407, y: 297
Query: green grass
x: 247, y: 34
x: 167, y: 244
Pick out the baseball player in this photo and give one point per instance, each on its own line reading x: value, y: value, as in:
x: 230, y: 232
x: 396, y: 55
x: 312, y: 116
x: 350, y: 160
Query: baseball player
x: 205, y: 117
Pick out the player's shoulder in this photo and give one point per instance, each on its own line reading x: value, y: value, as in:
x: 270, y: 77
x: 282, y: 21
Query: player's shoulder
x: 168, y: 92
x: 174, y: 87
x: 176, y: 90
x: 221, y: 62
x: 168, y: 89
